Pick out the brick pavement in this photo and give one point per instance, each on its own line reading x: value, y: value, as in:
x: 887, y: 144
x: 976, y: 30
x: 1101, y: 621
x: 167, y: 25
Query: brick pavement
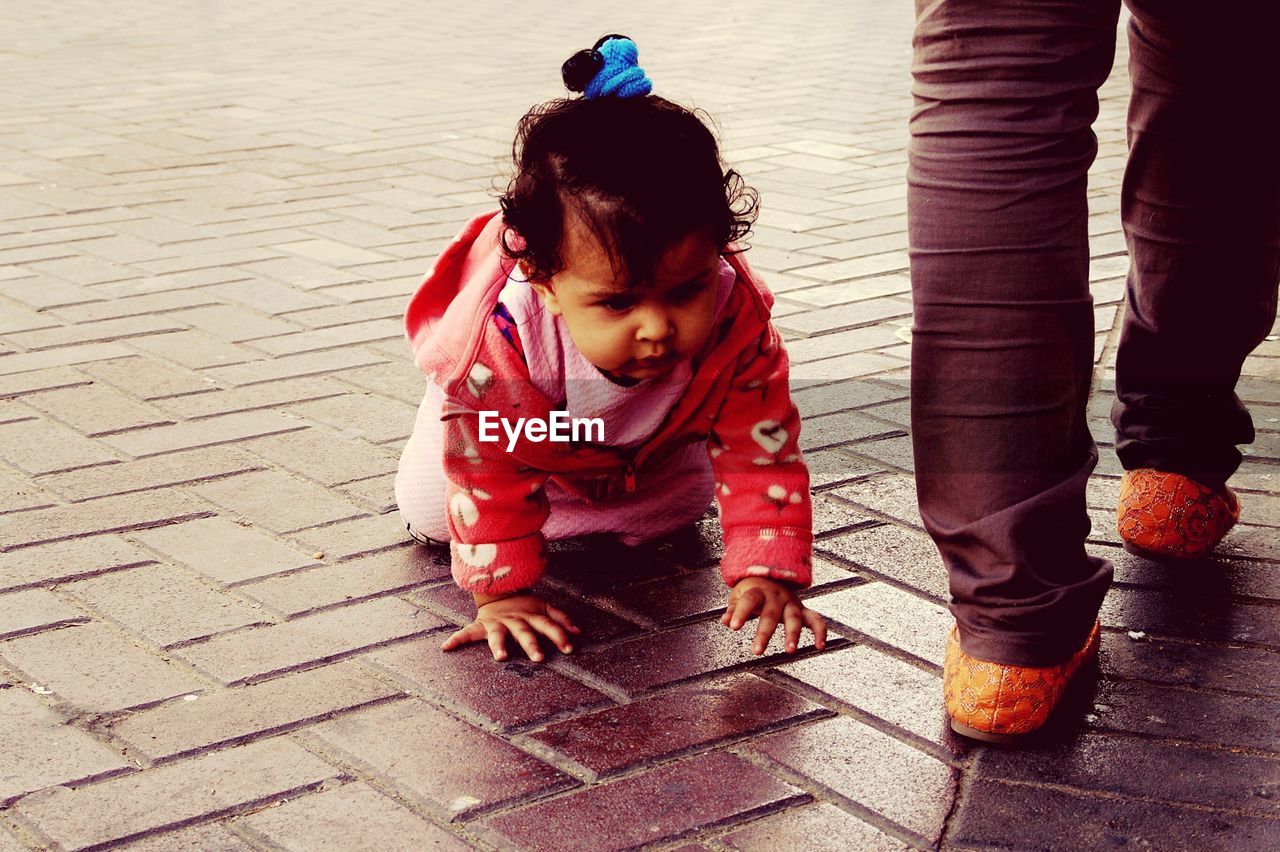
x: 213, y: 634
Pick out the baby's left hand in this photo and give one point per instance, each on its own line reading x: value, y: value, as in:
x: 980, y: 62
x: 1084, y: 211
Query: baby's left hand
x: 775, y: 603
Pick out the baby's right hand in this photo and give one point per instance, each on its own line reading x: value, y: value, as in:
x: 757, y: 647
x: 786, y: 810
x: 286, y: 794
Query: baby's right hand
x: 524, y: 616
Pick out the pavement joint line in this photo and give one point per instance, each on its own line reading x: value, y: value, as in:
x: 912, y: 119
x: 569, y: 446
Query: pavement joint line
x: 840, y: 707
x: 877, y: 576
x: 820, y: 792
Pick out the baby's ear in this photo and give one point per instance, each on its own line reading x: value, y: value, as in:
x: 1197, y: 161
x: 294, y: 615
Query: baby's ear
x: 547, y: 296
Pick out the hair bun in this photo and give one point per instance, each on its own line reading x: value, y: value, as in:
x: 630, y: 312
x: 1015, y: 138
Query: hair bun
x: 608, y: 69
x: 578, y: 70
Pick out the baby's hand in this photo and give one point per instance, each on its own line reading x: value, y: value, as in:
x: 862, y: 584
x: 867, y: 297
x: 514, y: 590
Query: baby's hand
x: 775, y: 602
x: 524, y: 616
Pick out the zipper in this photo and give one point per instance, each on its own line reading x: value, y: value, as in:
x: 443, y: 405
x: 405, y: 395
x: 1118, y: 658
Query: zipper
x: 630, y: 474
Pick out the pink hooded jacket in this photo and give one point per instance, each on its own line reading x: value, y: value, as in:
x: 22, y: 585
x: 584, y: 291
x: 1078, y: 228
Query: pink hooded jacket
x: 738, y: 403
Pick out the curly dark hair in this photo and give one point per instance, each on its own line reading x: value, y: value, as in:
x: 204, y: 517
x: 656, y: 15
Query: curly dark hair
x: 641, y: 173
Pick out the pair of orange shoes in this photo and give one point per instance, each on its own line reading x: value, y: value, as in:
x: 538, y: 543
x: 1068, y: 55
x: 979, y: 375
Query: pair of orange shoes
x: 1163, y: 516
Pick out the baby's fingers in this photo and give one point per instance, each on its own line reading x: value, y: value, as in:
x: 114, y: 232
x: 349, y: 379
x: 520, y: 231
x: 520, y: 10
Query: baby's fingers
x: 562, y: 617
x: 498, y: 641
x: 764, y: 631
x: 747, y: 604
x: 473, y: 632
x: 818, y: 625
x: 552, y: 631
x: 526, y: 637
x: 792, y: 616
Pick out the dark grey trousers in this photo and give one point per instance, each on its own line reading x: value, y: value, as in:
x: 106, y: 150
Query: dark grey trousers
x: 1002, y: 350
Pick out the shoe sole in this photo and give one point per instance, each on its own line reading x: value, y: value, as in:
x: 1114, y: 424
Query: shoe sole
x: 1157, y: 556
x: 988, y: 737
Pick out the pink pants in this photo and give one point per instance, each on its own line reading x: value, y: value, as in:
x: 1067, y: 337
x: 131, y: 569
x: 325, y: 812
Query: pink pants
x: 672, y: 497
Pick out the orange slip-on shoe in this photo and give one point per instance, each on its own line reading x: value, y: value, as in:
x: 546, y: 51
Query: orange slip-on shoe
x: 1171, y: 516
x: 1001, y: 703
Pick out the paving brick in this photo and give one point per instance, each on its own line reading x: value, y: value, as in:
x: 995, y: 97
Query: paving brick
x: 132, y: 306
x: 220, y: 783
x: 35, y: 609
x: 1008, y: 816
x: 231, y: 323
x: 271, y: 394
x: 154, y: 472
x: 331, y: 252
x: 298, y: 272
x: 324, y: 457
x: 1189, y: 714
x: 94, y: 668
x: 662, y: 804
x: 203, y: 433
x: 348, y: 539
x: 277, y: 501
x: 224, y: 550
x: 65, y: 560
x: 815, y: 828
x: 35, y: 381
x: 882, y: 686
x: 43, y: 291
x: 893, y: 552
x: 362, y: 416
x: 650, y: 661
x: 93, y: 517
x: 814, y: 400
x: 1214, y: 619
x: 341, y: 582
x: 294, y: 366
x: 843, y: 367
x: 453, y: 769
x: 507, y: 695
x: 18, y: 493
x: 261, y: 651
x: 219, y: 718
x: 841, y: 428
x: 210, y: 837
x: 327, y: 316
x: 194, y: 350
x: 1144, y: 768
x: 841, y: 317
x: 66, y: 753
x: 147, y: 378
x: 841, y: 343
x: 1248, y: 670
x: 353, y: 816
x: 352, y: 334
x: 870, y: 768
x: 97, y: 409
x: 692, y: 717
x: 890, y: 615
x: 40, y: 446
x: 93, y: 332
x: 164, y: 603
x: 892, y: 495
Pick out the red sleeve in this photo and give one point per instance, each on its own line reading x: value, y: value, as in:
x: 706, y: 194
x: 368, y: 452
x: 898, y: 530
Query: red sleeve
x: 762, y: 483
x: 496, y: 509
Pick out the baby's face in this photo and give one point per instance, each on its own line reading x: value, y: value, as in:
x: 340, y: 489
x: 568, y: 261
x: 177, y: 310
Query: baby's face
x: 644, y: 330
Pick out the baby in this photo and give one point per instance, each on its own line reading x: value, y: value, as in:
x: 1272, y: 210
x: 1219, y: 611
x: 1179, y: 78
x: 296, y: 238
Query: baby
x: 601, y: 360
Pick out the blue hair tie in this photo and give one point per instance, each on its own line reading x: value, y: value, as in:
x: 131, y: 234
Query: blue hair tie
x: 607, y: 70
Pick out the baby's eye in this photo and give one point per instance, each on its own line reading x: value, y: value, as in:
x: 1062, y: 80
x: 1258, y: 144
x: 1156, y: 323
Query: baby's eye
x: 618, y: 304
x: 687, y: 292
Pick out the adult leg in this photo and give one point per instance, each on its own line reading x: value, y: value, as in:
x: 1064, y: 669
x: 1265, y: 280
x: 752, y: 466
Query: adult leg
x: 1002, y: 345
x: 1201, y: 213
